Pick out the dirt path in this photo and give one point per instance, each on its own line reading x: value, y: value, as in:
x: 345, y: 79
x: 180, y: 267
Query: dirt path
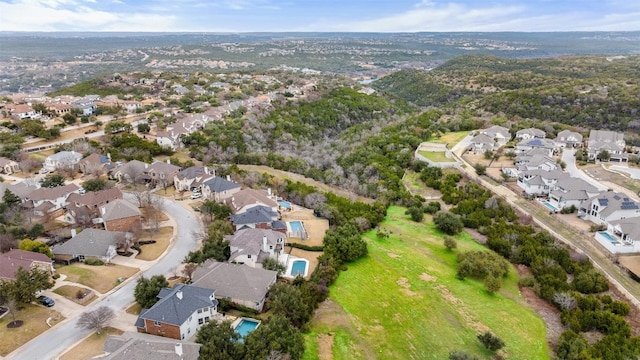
x: 307, y: 181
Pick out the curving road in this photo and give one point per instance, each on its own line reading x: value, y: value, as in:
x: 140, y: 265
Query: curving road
x: 61, y: 337
x: 569, y: 157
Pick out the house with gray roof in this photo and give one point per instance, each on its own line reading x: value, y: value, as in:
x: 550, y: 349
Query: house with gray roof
x: 245, y: 199
x: 500, y: 134
x: 483, y: 143
x: 609, y: 206
x: 192, y: 177
x: 569, y: 191
x: 240, y: 284
x: 625, y: 234
x: 119, y: 215
x: 138, y: 346
x: 92, y: 244
x: 610, y: 141
x: 251, y: 246
x: 62, y: 160
x: 530, y: 133
x: 132, y: 171
x: 219, y: 189
x: 162, y: 173
x: 180, y: 312
x: 48, y: 200
x: 79, y: 207
x: 538, y: 182
x: 536, y: 143
x: 259, y: 216
x: 568, y: 138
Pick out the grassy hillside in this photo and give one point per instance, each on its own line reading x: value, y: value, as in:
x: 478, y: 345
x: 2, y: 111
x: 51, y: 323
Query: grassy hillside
x: 405, y: 302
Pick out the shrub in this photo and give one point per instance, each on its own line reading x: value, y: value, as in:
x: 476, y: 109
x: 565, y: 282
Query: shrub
x: 306, y: 247
x: 450, y: 243
x: 448, y: 223
x: 94, y: 262
x: 490, y: 341
x: 461, y: 355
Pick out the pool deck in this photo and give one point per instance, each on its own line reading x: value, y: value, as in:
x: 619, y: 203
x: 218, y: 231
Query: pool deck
x: 287, y: 273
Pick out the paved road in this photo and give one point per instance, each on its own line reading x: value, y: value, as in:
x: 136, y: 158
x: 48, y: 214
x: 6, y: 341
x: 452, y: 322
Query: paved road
x: 61, y: 337
x: 568, y: 156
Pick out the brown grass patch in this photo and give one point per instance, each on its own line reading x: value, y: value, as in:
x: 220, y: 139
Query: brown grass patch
x: 325, y: 344
x: 462, y: 310
x: 134, y: 309
x: 393, y: 256
x: 151, y: 252
x: 70, y: 292
x: 315, y: 227
x: 91, y: 346
x: 312, y: 256
x: 427, y: 277
x: 35, y: 322
x: 100, y: 278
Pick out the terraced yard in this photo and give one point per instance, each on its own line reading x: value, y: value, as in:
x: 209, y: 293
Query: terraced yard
x: 403, y: 301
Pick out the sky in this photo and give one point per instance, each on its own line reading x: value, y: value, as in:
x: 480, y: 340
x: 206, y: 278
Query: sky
x: 319, y: 15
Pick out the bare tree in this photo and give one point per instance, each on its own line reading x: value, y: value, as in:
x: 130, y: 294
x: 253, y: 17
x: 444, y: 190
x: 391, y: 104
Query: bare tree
x: 565, y: 300
x: 154, y: 210
x: 314, y: 199
x: 27, y: 164
x: 189, y: 269
x: 7, y: 242
x: 97, y: 319
x: 277, y: 355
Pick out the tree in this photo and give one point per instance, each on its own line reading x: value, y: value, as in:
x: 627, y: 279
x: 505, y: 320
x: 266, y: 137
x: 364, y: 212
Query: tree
x: 144, y: 128
x: 147, y: 290
x: 417, y: 213
x: 603, y: 156
x: 448, y: 223
x: 69, y: 119
x: 189, y: 269
x: 219, y: 342
x: 480, y: 169
x: 10, y: 199
x: 97, y: 319
x: 572, y: 346
x: 25, y: 286
x: 345, y: 243
x: 492, y: 284
x: 491, y: 341
x: 215, y: 210
x: 270, y: 263
x: 287, y: 300
x: 276, y: 335
x: 117, y: 126
x: 35, y: 246
x: 450, y: 243
x: 52, y: 180
x: 96, y: 184
x: 590, y: 282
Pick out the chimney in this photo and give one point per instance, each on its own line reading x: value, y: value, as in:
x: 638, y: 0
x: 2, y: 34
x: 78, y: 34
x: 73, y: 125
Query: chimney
x: 73, y: 233
x: 179, y: 294
x: 228, y: 177
x: 146, y: 166
x: 178, y: 349
x: 206, y: 170
x: 103, y: 210
x: 264, y: 242
x: 169, y: 161
x: 269, y: 192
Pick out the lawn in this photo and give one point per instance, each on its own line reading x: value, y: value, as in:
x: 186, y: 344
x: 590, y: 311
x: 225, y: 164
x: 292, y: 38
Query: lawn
x: 450, y: 138
x: 100, y: 278
x: 412, y: 182
x: 435, y: 156
x: 151, y: 252
x: 71, y: 292
x: 405, y: 302
x: 91, y: 346
x: 35, y: 323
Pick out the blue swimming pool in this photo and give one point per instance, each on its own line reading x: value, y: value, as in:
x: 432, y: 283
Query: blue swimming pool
x: 284, y: 204
x: 609, y: 237
x: 296, y: 226
x: 549, y: 206
x: 299, y: 267
x: 246, y: 326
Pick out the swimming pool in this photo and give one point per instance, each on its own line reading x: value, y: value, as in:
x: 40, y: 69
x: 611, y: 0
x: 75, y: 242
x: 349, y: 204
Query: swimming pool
x: 246, y: 326
x: 296, y: 226
x: 549, y: 206
x: 609, y: 237
x: 284, y: 204
x: 299, y: 267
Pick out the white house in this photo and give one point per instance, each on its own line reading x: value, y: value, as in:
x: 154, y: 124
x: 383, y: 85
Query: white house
x: 48, y: 200
x: 536, y: 143
x: 219, y: 189
x: 8, y: 166
x: 538, y: 182
x: 609, y: 206
x: 251, y: 246
x: 62, y: 160
x: 610, y: 141
x: 571, y: 191
x: 192, y: 177
x: 500, y: 134
x: 568, y: 138
x: 483, y: 143
x: 171, y: 136
x: 530, y: 133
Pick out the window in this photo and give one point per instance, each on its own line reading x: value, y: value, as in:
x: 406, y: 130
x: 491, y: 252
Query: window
x: 200, y: 311
x: 206, y: 319
x: 249, y: 256
x: 200, y: 321
x: 156, y: 323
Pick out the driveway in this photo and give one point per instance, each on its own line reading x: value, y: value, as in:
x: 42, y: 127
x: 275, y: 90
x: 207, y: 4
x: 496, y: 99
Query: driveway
x: 568, y: 156
x: 634, y: 173
x: 63, y: 336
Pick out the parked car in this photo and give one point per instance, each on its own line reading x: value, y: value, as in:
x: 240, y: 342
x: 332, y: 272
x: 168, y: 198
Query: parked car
x: 46, y: 301
x: 82, y: 191
x: 196, y: 195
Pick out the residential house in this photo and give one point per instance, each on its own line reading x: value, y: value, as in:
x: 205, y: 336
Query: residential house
x: 57, y: 108
x: 22, y: 111
x: 49, y: 200
x: 609, y: 206
x: 538, y: 182
x: 219, y: 189
x: 22, y: 189
x: 179, y: 313
x: 500, y: 134
x: 84, y: 208
x: 610, y: 141
x: 14, y: 259
x: 119, y: 215
x: 260, y: 217
x: 192, y: 177
x: 237, y: 283
x: 250, y: 246
x: 94, y: 164
x: 568, y: 191
x: 245, y: 199
x: 172, y: 136
x: 628, y: 230
x: 483, y: 143
x: 534, y: 158
x: 132, y: 171
x: 62, y: 160
x: 92, y: 244
x: 536, y: 143
x: 8, y: 166
x: 138, y: 346
x: 530, y: 133
x: 161, y: 173
x: 568, y: 138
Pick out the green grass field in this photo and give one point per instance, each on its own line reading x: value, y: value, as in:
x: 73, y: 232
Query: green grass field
x: 405, y: 302
x: 435, y: 156
x: 450, y: 138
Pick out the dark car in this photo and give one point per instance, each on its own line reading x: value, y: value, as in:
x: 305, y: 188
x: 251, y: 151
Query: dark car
x: 46, y: 301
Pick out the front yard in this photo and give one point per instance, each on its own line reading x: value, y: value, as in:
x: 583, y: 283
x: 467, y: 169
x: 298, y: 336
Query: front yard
x: 77, y: 294
x: 90, y: 346
x: 35, y: 322
x: 150, y: 252
x: 100, y: 278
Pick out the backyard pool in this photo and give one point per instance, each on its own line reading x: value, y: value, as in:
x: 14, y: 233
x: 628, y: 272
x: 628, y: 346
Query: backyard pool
x: 299, y: 267
x: 549, y: 206
x: 246, y: 326
x: 284, y: 204
x: 296, y: 226
x: 609, y: 237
